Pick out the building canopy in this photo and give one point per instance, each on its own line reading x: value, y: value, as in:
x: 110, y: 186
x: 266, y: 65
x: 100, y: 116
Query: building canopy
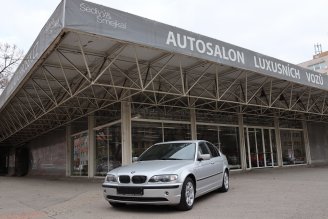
x: 89, y: 56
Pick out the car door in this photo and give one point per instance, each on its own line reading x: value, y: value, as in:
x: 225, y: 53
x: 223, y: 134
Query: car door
x: 217, y: 165
x: 203, y: 170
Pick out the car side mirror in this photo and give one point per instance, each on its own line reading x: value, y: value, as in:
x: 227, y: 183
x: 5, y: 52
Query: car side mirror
x: 135, y: 159
x: 204, y: 157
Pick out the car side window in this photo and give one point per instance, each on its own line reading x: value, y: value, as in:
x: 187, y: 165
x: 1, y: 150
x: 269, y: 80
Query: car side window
x: 202, y: 148
x: 213, y: 150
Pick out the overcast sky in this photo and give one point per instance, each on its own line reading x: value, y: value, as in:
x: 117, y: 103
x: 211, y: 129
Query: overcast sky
x: 284, y: 29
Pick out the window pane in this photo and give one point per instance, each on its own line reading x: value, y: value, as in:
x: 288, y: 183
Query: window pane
x: 299, y: 149
x: 175, y: 132
x: 293, y: 149
x: 225, y: 138
x: 159, y: 112
x: 216, y: 117
x: 252, y: 147
x: 80, y: 155
x: 274, y: 148
x: 214, y: 152
x: 108, y: 149
x: 260, y: 151
x: 172, y: 151
x: 287, y: 147
x: 203, y: 149
x: 144, y: 135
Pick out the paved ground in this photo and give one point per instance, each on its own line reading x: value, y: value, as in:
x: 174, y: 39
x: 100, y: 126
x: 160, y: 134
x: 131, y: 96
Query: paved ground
x: 300, y: 192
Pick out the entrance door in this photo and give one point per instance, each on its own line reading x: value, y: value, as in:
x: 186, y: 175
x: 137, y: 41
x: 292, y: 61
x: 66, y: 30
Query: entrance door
x: 259, y: 147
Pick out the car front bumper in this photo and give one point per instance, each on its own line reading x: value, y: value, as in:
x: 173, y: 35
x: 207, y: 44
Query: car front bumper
x: 154, y: 194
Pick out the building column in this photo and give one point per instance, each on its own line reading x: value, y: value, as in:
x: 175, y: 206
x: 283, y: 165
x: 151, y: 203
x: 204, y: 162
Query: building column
x: 306, y: 142
x: 193, y: 125
x: 68, y: 150
x: 242, y: 147
x: 278, y: 141
x: 126, y: 133
x: 91, y: 146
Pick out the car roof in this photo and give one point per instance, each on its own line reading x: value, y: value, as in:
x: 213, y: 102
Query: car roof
x: 182, y: 141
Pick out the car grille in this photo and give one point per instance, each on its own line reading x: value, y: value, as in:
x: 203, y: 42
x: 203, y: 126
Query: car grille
x: 135, y: 179
x: 124, y: 179
x: 139, y: 179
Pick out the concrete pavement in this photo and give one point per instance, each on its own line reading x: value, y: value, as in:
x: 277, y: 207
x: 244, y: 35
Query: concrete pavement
x: 298, y: 192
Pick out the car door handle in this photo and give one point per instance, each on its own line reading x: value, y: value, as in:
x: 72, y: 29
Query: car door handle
x: 212, y: 163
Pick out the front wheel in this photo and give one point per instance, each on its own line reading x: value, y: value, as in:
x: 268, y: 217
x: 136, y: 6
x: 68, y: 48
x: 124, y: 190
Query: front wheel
x: 187, y: 195
x: 225, y: 182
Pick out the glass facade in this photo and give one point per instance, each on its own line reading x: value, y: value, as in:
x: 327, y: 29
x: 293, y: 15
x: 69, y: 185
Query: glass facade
x: 108, y: 149
x: 226, y: 138
x: 80, y: 154
x: 292, y: 146
x: 159, y: 124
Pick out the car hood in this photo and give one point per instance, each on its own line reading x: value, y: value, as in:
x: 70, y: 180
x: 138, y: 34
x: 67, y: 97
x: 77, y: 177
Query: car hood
x: 153, y: 167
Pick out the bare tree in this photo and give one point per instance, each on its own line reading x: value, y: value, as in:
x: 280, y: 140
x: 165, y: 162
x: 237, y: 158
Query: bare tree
x: 10, y: 57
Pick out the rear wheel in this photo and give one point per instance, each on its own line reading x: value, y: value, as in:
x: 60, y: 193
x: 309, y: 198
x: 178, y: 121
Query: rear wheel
x: 225, y: 182
x: 117, y: 204
x: 187, y: 195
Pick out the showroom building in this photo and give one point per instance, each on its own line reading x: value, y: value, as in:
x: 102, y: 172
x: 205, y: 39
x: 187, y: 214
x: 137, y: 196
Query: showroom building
x: 99, y: 86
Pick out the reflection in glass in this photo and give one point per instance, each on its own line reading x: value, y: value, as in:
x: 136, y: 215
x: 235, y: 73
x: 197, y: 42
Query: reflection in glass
x: 108, y: 149
x: 274, y: 148
x: 175, y: 132
x: 170, y: 151
x: 260, y: 151
x: 80, y: 154
x: 293, y: 149
x: 252, y: 147
x: 145, y: 134
x: 225, y: 138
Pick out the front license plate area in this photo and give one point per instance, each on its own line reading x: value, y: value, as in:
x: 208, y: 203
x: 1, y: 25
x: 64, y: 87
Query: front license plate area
x: 130, y: 191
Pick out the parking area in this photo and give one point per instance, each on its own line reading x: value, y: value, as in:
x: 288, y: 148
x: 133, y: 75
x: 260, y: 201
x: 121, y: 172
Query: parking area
x: 297, y: 192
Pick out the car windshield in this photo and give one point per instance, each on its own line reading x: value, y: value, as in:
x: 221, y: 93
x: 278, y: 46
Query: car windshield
x: 170, y: 151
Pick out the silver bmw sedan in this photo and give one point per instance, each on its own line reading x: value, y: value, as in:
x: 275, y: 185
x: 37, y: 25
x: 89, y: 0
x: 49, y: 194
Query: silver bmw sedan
x: 169, y: 173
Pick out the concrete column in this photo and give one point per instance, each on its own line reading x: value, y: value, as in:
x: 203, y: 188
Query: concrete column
x: 91, y: 146
x: 306, y: 142
x: 68, y: 150
x: 278, y: 141
x: 242, y: 147
x: 126, y: 133
x: 193, y: 125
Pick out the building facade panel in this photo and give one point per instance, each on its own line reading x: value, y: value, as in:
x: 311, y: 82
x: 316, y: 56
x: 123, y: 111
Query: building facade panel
x: 318, y: 140
x: 47, y: 154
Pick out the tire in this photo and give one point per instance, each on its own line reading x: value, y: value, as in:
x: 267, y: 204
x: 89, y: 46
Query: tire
x: 187, y: 195
x: 117, y: 204
x: 225, y: 182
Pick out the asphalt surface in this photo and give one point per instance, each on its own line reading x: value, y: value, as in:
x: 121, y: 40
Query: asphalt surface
x: 298, y: 192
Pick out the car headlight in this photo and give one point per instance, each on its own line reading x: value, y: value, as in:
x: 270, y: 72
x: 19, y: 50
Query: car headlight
x: 163, y: 178
x: 111, y: 178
